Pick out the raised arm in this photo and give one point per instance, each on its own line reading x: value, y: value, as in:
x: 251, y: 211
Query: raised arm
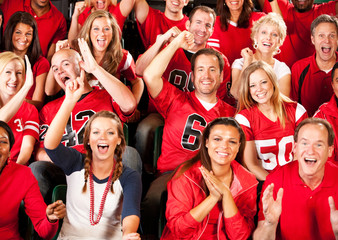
x: 141, y: 10
x: 153, y: 73
x: 333, y: 217
x: 272, y: 209
x: 126, y: 6
x: 117, y: 90
x: 149, y: 55
x: 10, y: 109
x: 236, y: 73
x: 74, y: 91
x: 74, y: 25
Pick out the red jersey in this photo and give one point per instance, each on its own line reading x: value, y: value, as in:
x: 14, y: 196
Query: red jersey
x: 24, y: 122
x: 114, y: 10
x: 41, y: 66
x: 155, y: 24
x: 90, y: 103
x: 305, y: 212
x: 185, y: 119
x: 52, y: 25
x: 329, y: 112
x: 232, y: 41
x: 316, y: 88
x: 297, y: 44
x: 274, y: 144
x: 178, y: 73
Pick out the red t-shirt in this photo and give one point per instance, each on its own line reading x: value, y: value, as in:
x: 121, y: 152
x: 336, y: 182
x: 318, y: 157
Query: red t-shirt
x: 41, y: 66
x: 114, y: 10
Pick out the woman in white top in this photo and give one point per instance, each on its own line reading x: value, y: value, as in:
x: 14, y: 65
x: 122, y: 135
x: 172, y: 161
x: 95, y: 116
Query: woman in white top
x: 268, y: 34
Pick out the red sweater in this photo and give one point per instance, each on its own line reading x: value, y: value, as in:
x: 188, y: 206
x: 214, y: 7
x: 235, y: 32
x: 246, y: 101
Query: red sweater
x: 185, y: 193
x: 17, y: 183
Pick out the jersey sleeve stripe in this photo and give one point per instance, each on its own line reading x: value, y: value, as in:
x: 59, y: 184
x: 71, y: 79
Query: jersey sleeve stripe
x: 35, y: 129
x: 32, y: 123
x: 242, y: 120
x: 300, y: 110
x: 128, y: 62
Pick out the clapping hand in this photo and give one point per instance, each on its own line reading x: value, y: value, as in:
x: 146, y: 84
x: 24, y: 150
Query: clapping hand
x: 29, y: 74
x: 333, y: 216
x: 216, y: 187
x: 89, y: 63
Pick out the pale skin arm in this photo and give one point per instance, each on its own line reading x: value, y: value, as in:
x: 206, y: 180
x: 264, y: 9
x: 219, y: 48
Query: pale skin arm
x: 153, y: 73
x: 41, y: 155
x: 252, y: 162
x: 126, y: 6
x: 141, y: 9
x: 333, y: 217
x: 56, y: 211
x: 117, y: 90
x: 236, y: 73
x: 149, y: 55
x: 272, y: 209
x: 51, y: 52
x: 10, y: 109
x: 74, y: 91
x: 129, y: 227
x: 285, y: 85
x: 26, y: 150
x: 75, y: 27
x: 51, y: 86
x: 39, y: 92
x: 137, y: 87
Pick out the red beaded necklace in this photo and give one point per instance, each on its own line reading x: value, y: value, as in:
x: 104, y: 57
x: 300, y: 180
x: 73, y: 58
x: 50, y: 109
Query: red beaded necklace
x: 103, y: 200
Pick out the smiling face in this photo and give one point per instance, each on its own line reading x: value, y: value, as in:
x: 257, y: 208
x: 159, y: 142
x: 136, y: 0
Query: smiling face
x: 261, y: 87
x: 312, y: 150
x: 4, y: 147
x: 101, y: 34
x: 103, y: 138
x: 206, y: 76
x: 325, y: 40
x: 22, y: 37
x: 201, y: 26
x: 175, y: 6
x: 235, y: 5
x: 11, y: 78
x: 65, y: 67
x: 223, y: 144
x: 303, y: 5
x: 267, y: 38
x: 100, y: 4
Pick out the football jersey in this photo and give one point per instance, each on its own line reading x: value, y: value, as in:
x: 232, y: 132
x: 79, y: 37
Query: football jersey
x: 90, y: 103
x: 24, y: 122
x: 185, y: 119
x: 274, y: 143
x: 156, y: 24
x: 178, y: 73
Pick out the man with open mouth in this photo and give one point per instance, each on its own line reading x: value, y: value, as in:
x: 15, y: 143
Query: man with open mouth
x: 299, y: 198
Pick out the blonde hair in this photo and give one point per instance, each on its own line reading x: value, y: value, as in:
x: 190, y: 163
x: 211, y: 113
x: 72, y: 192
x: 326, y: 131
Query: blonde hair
x: 7, y: 57
x: 88, y: 3
x: 273, y: 19
x: 118, y: 150
x: 113, y: 54
x: 277, y: 99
